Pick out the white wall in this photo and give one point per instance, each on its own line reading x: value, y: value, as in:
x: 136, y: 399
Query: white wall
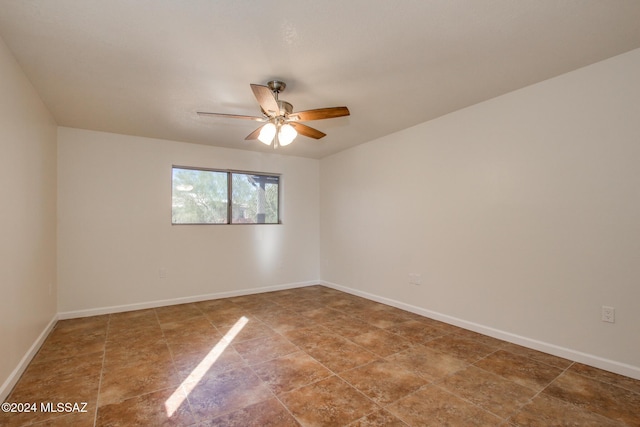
x: 115, y: 232
x: 522, y: 214
x: 27, y: 219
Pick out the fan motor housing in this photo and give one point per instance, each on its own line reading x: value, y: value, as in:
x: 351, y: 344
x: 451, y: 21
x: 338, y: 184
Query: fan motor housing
x: 285, y: 107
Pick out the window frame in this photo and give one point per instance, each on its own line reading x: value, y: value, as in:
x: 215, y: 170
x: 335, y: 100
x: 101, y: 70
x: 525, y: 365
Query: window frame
x: 229, y: 173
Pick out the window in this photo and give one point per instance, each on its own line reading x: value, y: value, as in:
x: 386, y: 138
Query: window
x: 199, y: 197
x: 207, y: 196
x: 254, y: 198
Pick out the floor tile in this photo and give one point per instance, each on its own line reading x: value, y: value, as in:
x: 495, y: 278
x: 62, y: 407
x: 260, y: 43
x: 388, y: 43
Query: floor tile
x: 449, y: 329
x: 74, y: 379
x: 484, y: 339
x: 383, y: 382
x: 221, y: 317
x: 85, y: 324
x: 379, y: 418
x: 546, y: 411
x: 122, y: 353
x: 416, y: 331
x: 216, y: 304
x: 260, y: 350
x: 340, y: 355
x: 489, y: 391
x: 312, y: 337
x: 61, y: 345
x: 460, y: 347
x: 228, y: 391
x: 74, y: 419
x: 363, y: 306
x: 381, y: 342
x: 547, y: 359
x: 427, y: 364
x: 146, y: 410
x: 432, y: 406
x: 201, y: 344
x: 210, y: 358
x: 519, y: 369
x: 251, y: 330
x: 351, y: 328
x: 330, y: 402
x: 308, y: 305
x: 268, y: 308
x: 341, y: 302
x: 250, y: 302
x: 173, y: 313
x: 381, y: 318
x: 606, y: 377
x: 269, y: 413
x: 291, y: 371
x: 138, y: 335
x: 193, y: 326
x: 325, y: 314
x: 285, y: 320
x: 605, y: 399
x: 123, y: 382
x: 133, y: 319
x: 51, y: 389
x: 286, y: 299
x: 80, y: 366
x: 134, y: 326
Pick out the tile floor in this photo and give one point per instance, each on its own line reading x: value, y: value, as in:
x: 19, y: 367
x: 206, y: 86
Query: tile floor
x: 312, y: 356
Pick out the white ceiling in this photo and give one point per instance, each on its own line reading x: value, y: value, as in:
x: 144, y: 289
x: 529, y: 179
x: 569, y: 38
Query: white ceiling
x: 144, y: 67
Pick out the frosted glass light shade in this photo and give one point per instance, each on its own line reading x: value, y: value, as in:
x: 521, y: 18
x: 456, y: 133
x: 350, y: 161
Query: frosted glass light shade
x: 267, y: 133
x: 287, y: 134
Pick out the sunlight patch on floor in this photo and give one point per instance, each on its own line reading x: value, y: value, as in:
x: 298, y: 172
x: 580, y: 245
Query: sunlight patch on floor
x: 177, y: 398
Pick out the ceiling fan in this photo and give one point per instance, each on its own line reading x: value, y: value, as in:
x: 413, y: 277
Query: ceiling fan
x: 282, y: 125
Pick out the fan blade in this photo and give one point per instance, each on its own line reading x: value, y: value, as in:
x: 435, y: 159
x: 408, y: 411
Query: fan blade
x: 254, y: 134
x: 266, y: 100
x: 319, y: 114
x: 307, y: 131
x: 231, y: 116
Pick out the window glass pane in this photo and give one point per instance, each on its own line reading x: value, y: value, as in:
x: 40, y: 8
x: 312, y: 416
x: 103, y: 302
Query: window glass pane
x: 199, y: 197
x: 255, y: 199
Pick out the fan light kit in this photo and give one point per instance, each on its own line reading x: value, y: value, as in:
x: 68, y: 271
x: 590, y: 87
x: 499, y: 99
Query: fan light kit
x: 282, y: 124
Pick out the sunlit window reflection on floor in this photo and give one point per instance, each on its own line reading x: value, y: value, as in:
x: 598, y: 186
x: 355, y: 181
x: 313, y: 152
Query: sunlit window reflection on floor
x: 177, y: 398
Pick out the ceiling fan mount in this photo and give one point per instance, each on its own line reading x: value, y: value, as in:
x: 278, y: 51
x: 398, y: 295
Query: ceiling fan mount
x: 282, y: 124
x: 276, y: 86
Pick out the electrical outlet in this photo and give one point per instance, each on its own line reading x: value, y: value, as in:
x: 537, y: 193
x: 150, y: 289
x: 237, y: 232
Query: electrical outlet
x: 415, y: 279
x: 608, y: 314
x: 162, y: 273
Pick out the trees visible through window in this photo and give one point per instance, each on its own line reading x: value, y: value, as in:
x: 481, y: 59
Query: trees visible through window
x: 199, y: 197
x: 254, y: 198
x: 204, y: 196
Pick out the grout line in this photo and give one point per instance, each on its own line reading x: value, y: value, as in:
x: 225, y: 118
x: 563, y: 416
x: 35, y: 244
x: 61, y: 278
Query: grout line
x: 531, y: 399
x: 553, y: 380
x: 104, y: 358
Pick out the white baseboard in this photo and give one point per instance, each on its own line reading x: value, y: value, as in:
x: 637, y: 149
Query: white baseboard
x: 567, y: 353
x: 13, y: 378
x: 180, y: 300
